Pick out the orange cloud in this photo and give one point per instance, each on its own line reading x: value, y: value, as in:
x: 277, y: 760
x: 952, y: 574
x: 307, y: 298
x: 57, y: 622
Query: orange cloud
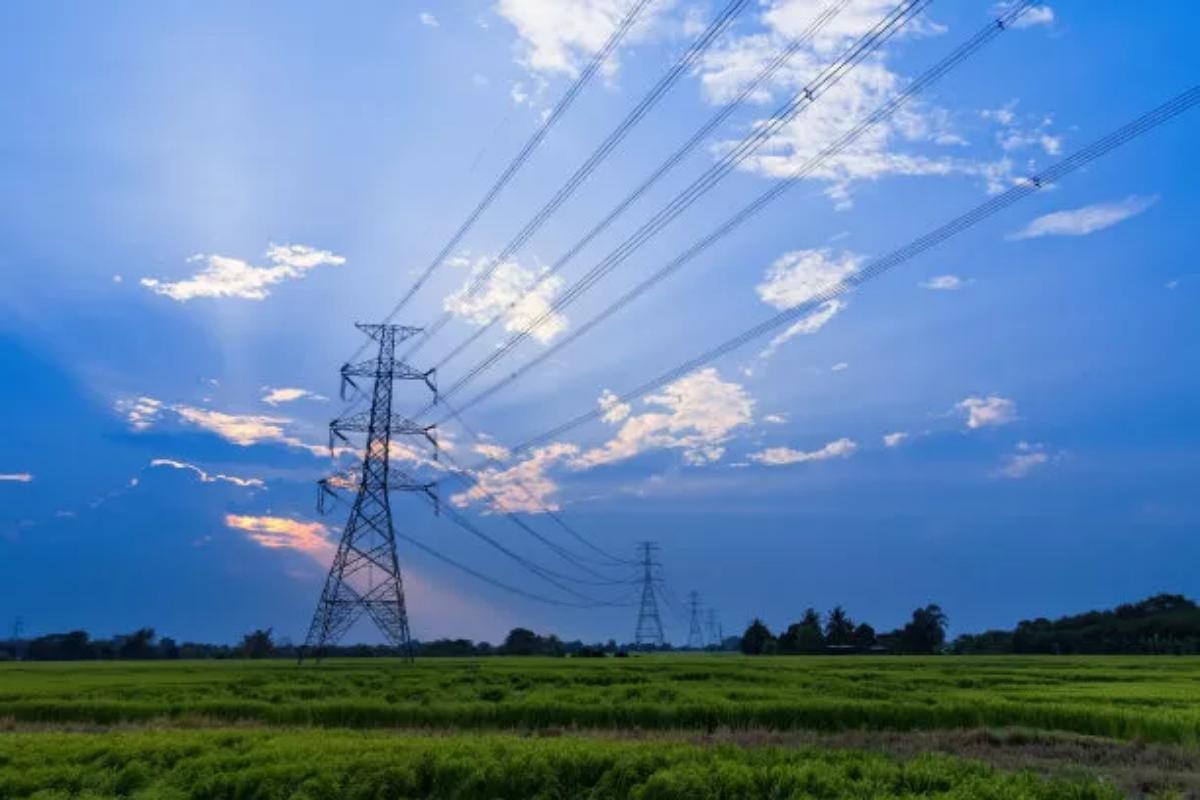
x: 281, y: 533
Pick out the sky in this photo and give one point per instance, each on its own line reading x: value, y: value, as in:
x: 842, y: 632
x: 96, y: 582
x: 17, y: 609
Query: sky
x: 197, y: 203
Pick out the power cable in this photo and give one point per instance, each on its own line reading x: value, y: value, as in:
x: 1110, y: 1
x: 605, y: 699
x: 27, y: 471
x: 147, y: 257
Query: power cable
x: 714, y: 30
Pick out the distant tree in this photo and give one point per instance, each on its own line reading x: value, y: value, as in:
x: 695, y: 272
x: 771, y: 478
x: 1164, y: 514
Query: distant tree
x: 757, y: 639
x: 522, y: 642
x: 804, y: 636
x: 258, y: 644
x: 136, y: 645
x: 839, y: 628
x: 926, y: 633
x: 863, y: 637
x: 167, y: 648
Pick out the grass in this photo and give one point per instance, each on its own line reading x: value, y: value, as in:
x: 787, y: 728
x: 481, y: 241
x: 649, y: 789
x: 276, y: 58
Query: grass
x: 647, y: 727
x: 347, y: 765
x: 1152, y: 699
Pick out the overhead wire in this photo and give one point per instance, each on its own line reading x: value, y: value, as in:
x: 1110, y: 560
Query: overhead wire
x: 749, y: 90
x: 699, y: 46
x: 565, y: 102
x: 883, y: 112
x: 1143, y: 124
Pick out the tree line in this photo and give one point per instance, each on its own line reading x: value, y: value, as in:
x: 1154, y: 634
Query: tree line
x: 1162, y: 624
x: 925, y: 633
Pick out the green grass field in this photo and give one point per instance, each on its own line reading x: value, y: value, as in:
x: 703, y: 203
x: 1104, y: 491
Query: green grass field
x: 657, y: 726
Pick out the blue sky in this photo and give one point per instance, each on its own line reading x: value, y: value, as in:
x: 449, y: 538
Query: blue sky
x: 198, y: 203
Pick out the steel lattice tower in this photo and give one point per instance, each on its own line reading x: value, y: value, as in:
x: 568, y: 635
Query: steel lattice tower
x: 649, y: 624
x: 365, y: 575
x: 716, y: 636
x: 695, y: 632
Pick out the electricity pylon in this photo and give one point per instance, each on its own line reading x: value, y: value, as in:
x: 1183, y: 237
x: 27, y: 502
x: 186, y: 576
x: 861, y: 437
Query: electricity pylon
x: 649, y: 625
x: 365, y: 575
x: 695, y: 633
x: 716, y: 636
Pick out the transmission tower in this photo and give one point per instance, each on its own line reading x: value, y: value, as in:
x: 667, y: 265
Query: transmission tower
x: 716, y: 636
x: 649, y: 625
x: 365, y: 575
x: 695, y: 639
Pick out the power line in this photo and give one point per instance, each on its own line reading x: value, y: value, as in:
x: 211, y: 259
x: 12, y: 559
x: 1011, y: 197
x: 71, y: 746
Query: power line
x: 1152, y: 119
x: 519, y: 160
x: 805, y: 98
x: 931, y: 76
x: 714, y: 30
x: 670, y: 163
x: 695, y: 640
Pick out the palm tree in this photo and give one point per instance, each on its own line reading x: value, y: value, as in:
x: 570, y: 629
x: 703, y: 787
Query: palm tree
x: 839, y: 628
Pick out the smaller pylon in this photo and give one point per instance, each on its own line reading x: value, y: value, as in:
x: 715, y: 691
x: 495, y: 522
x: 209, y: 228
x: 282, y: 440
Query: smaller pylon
x: 716, y: 636
x: 695, y: 633
x: 649, y: 632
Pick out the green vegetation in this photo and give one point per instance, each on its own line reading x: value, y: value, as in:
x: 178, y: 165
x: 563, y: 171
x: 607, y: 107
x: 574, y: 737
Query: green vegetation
x: 345, y: 765
x: 1166, y: 623
x: 1120, y: 697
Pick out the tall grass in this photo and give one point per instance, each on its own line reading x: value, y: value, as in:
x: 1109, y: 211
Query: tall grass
x: 347, y: 765
x: 1156, y: 699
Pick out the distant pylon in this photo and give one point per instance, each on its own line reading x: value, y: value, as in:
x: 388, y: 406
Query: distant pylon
x: 365, y: 575
x: 649, y: 624
x: 695, y: 633
x: 716, y: 636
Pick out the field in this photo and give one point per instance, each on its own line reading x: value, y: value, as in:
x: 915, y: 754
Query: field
x: 659, y: 726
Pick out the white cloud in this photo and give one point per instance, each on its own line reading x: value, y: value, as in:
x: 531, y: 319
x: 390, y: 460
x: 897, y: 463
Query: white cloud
x: 614, y: 410
x: 223, y: 276
x: 699, y: 413
x: 428, y: 19
x: 1025, y: 460
x: 206, y: 477
x: 775, y: 419
x: 783, y: 456
x: 117, y: 278
x: 803, y: 275
x: 523, y: 487
x: 805, y: 326
x: 510, y: 284
x: 1082, y: 221
x: 244, y: 430
x: 1036, y: 15
x: 282, y: 533
x: 841, y: 366
x: 16, y: 477
x: 140, y: 412
x: 492, y: 452
x: 557, y: 36
x: 275, y: 397
x: 895, y: 439
x: 991, y: 411
x: 943, y: 283
x: 1172, y: 285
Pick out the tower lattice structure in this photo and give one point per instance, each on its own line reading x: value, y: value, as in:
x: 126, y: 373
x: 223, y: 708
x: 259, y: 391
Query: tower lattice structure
x: 365, y: 578
x: 649, y: 631
x: 695, y: 639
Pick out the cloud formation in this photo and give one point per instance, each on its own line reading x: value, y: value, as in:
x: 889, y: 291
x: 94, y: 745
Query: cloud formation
x: 943, y: 283
x: 509, y: 284
x: 784, y: 456
x: 275, y: 397
x: 987, y: 412
x: 803, y: 275
x: 696, y: 414
x: 427, y: 19
x: 223, y: 276
x: 522, y: 488
x: 206, y: 477
x: 282, y: 533
x: 1082, y: 221
x: 558, y: 36
x: 16, y: 477
x: 1027, y: 458
x: 895, y: 439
